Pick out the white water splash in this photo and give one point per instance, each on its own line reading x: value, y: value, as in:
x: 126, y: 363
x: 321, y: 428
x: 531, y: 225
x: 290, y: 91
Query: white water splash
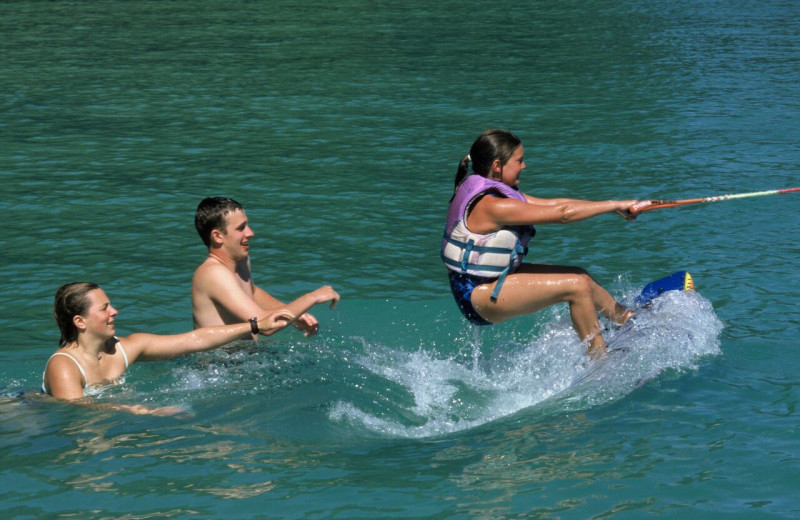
x: 550, y: 370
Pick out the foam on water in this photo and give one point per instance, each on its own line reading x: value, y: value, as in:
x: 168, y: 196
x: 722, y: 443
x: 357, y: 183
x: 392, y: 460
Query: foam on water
x: 431, y: 382
x: 549, y: 370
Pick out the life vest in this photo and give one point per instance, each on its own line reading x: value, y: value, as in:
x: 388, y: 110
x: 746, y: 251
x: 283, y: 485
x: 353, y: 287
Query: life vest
x: 493, y: 255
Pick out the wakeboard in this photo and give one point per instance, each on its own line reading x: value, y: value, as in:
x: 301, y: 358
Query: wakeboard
x: 679, y: 281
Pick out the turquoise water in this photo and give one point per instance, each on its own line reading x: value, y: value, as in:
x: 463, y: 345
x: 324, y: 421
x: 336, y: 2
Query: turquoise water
x: 339, y: 127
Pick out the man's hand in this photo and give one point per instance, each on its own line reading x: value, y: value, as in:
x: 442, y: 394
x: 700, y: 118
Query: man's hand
x: 307, y: 324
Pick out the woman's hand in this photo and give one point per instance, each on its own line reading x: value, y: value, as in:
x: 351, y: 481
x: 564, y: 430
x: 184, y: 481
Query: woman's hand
x: 275, y: 321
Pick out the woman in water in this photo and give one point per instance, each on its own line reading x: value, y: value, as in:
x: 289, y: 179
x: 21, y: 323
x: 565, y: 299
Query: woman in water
x: 489, y: 224
x: 89, y: 353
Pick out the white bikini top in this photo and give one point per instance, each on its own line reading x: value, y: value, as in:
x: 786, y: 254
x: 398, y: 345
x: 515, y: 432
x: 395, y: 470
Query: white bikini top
x: 83, y: 374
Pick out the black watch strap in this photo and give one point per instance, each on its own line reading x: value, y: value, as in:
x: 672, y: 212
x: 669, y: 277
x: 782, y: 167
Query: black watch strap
x: 254, y: 325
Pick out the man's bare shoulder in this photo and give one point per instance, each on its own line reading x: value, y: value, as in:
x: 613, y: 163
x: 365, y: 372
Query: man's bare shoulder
x: 217, y: 280
x: 211, y: 272
x: 220, y: 296
x: 214, y: 267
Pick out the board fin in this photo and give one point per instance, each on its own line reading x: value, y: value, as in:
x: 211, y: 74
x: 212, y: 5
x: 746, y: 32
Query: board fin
x: 680, y: 281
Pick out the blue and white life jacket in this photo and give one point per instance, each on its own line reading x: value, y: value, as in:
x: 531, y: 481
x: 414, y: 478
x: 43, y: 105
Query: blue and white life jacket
x: 493, y: 255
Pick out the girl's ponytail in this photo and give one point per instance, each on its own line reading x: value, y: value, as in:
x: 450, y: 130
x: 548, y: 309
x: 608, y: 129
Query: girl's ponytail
x: 461, y: 173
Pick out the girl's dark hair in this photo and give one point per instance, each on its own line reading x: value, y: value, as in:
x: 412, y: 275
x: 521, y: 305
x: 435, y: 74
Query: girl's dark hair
x: 491, y: 145
x: 71, y: 300
x: 210, y: 215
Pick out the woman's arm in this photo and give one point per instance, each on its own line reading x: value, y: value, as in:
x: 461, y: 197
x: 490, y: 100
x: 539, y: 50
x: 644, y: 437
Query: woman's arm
x: 153, y: 347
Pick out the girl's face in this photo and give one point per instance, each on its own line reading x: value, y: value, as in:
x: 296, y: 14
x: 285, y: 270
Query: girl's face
x: 99, y: 319
x: 509, y: 172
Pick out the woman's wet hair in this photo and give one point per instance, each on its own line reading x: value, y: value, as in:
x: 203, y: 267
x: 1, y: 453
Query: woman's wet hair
x: 491, y: 145
x: 210, y: 215
x: 71, y: 300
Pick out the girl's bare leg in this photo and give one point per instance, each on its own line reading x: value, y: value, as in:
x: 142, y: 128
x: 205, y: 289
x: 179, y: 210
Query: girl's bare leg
x: 536, y: 286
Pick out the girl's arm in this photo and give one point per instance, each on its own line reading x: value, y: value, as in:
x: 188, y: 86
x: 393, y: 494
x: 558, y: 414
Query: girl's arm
x: 492, y: 213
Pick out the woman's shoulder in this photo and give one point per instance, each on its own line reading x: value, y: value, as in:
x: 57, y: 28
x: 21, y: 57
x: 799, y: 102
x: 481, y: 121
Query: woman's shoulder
x: 62, y: 366
x: 61, y: 359
x: 130, y: 347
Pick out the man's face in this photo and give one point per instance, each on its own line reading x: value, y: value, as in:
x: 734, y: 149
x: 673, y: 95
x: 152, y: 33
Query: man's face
x: 236, y: 238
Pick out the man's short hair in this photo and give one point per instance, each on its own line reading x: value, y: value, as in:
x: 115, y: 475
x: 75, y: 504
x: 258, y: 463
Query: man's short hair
x: 210, y: 215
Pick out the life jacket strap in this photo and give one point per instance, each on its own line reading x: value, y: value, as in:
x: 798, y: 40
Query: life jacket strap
x: 518, y: 250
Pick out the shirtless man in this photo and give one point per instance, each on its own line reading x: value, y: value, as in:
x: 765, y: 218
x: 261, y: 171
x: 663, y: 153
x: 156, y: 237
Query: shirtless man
x: 223, y: 291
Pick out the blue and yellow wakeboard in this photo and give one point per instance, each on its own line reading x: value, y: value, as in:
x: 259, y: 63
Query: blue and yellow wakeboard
x: 680, y: 281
